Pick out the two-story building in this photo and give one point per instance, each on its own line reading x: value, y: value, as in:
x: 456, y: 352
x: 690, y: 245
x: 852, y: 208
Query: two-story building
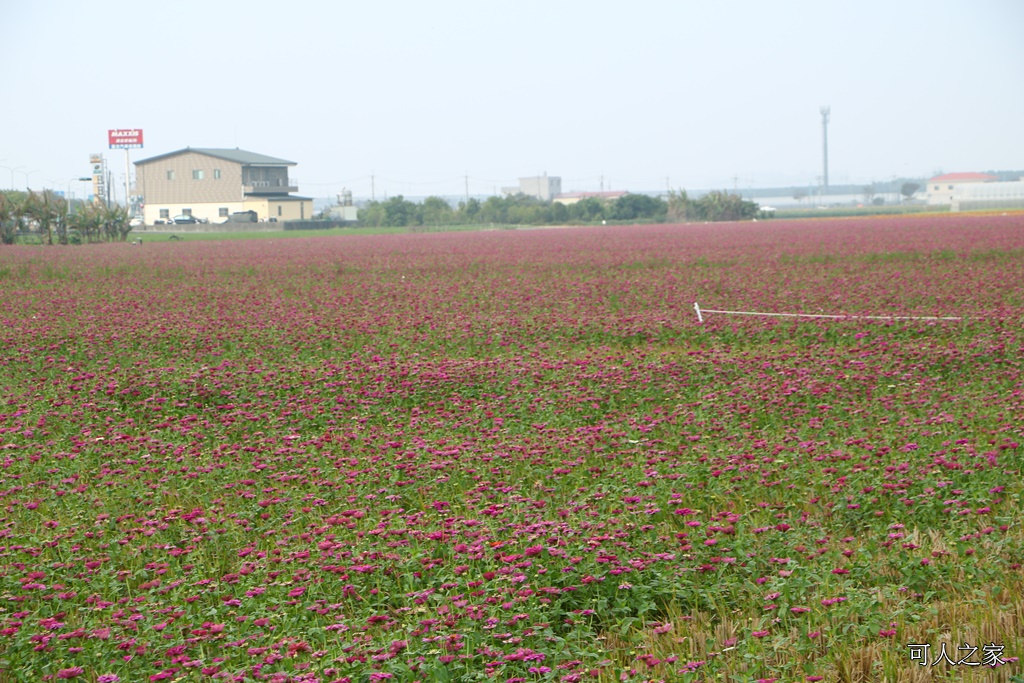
x: 975, y: 192
x: 212, y: 184
x: 543, y: 187
x: 948, y: 188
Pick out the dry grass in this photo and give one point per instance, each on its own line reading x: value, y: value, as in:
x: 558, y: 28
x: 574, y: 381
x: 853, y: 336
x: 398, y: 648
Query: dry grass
x: 977, y: 619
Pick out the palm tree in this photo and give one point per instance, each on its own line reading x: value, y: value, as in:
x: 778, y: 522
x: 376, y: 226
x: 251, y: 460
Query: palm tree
x: 679, y: 206
x: 115, y: 222
x: 48, y: 211
x: 87, y: 220
x: 7, y: 222
x: 14, y: 215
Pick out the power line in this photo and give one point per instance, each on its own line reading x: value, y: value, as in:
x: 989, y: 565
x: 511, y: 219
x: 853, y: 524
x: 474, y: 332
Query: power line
x: 825, y: 113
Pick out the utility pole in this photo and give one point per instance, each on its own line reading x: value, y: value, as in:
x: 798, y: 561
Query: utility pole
x: 373, y: 190
x: 825, y: 112
x: 127, y: 178
x: 467, y: 188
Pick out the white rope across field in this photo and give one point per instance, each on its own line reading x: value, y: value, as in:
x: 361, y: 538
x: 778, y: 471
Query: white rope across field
x: 701, y: 312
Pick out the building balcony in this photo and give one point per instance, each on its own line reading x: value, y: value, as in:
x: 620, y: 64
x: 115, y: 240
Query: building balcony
x: 283, y: 186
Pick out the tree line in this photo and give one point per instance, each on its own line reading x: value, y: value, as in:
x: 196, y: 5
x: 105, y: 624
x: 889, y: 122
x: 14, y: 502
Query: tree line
x: 52, y: 219
x: 714, y: 206
x: 525, y: 210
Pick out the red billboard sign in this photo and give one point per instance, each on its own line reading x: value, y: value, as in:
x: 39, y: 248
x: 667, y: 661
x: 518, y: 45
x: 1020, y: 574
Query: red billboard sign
x: 124, y: 138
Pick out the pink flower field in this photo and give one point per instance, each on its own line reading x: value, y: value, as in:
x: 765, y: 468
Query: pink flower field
x: 517, y: 456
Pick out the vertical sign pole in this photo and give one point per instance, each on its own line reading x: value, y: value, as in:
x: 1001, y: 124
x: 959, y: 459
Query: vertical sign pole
x: 127, y: 175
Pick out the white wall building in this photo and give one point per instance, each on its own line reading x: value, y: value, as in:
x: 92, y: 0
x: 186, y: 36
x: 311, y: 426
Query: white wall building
x: 542, y: 187
x: 975, y: 191
x: 212, y: 184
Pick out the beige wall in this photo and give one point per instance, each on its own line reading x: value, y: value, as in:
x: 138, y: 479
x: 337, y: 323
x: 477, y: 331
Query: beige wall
x: 290, y: 209
x: 209, y: 211
x: 573, y: 200
x: 153, y: 185
x: 544, y: 187
x: 970, y: 196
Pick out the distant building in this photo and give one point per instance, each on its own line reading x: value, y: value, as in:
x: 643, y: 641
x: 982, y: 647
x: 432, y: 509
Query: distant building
x: 212, y: 184
x: 345, y: 209
x: 573, y: 197
x: 975, y: 191
x: 946, y: 188
x: 542, y: 187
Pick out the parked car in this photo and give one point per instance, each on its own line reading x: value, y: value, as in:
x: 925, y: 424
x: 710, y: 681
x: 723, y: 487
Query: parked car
x: 243, y: 217
x: 185, y: 219
x: 137, y: 222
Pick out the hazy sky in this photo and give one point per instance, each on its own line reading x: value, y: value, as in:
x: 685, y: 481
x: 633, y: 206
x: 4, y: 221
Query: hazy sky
x: 420, y: 94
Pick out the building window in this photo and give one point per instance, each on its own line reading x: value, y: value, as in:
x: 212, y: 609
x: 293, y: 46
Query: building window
x: 278, y: 209
x: 170, y: 174
x: 216, y: 174
x: 197, y: 175
x: 186, y: 212
x: 936, y: 187
x: 165, y: 213
x: 951, y: 187
x: 222, y: 212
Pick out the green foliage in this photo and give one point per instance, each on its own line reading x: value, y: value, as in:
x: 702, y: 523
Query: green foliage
x: 470, y: 208
x: 436, y: 211
x: 372, y: 215
x: 509, y: 210
x: 678, y: 206
x: 101, y: 223
x: 559, y: 213
x: 633, y: 207
x: 8, y: 211
x: 45, y: 218
x: 717, y: 205
x: 47, y: 213
x: 399, y: 212
x: 588, y: 209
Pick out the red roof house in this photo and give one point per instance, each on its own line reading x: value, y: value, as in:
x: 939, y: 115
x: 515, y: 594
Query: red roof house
x: 963, y: 178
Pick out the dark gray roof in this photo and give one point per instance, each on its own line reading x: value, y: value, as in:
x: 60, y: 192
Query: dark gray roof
x: 238, y: 156
x: 279, y: 197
